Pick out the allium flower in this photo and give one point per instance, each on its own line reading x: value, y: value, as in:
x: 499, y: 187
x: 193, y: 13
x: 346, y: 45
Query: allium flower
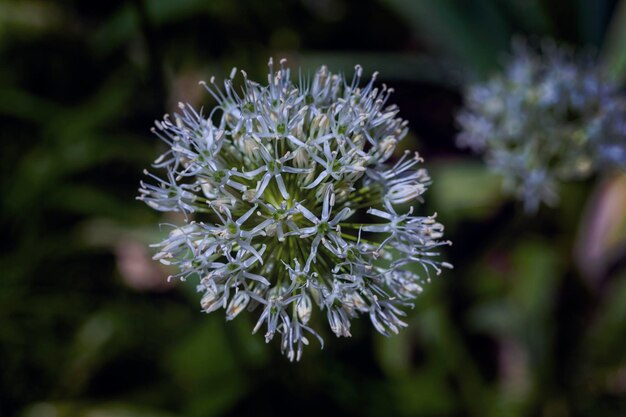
x: 291, y: 203
x: 550, y: 116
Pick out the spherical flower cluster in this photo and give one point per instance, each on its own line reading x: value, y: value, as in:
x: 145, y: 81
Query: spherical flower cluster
x: 550, y: 116
x: 291, y: 203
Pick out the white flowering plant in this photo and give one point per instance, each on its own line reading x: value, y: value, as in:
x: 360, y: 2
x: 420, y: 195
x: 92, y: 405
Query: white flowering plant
x: 551, y: 116
x: 292, y: 201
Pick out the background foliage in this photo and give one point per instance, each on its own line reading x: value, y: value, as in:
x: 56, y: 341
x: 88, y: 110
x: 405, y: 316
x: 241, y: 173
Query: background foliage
x: 532, y: 321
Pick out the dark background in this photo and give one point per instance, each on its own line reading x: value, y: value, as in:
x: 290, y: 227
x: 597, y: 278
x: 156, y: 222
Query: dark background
x: 531, y: 322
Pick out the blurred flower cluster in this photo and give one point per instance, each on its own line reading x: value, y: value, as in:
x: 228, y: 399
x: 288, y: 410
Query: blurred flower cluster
x: 550, y: 116
x: 291, y: 203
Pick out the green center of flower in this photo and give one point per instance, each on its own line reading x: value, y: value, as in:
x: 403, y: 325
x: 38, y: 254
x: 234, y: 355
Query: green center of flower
x: 323, y: 228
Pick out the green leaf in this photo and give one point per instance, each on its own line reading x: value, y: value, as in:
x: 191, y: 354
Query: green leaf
x: 463, y: 190
x: 205, y: 362
x: 607, y: 335
x: 591, y: 15
x: 76, y: 409
x: 613, y: 54
x: 459, y: 30
x: 394, y: 354
x: 125, y: 23
x: 425, y: 393
x: 391, y: 66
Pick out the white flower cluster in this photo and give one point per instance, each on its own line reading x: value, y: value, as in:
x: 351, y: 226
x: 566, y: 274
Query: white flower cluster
x: 268, y: 182
x: 550, y: 116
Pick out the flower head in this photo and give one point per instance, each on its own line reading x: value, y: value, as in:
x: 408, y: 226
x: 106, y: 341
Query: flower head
x: 550, y: 116
x: 291, y: 204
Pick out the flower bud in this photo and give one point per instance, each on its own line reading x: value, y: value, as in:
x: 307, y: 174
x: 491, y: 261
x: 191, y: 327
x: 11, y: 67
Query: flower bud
x: 304, y: 308
x: 237, y: 304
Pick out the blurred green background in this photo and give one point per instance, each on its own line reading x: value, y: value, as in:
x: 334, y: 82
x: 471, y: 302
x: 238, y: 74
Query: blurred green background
x: 531, y: 322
